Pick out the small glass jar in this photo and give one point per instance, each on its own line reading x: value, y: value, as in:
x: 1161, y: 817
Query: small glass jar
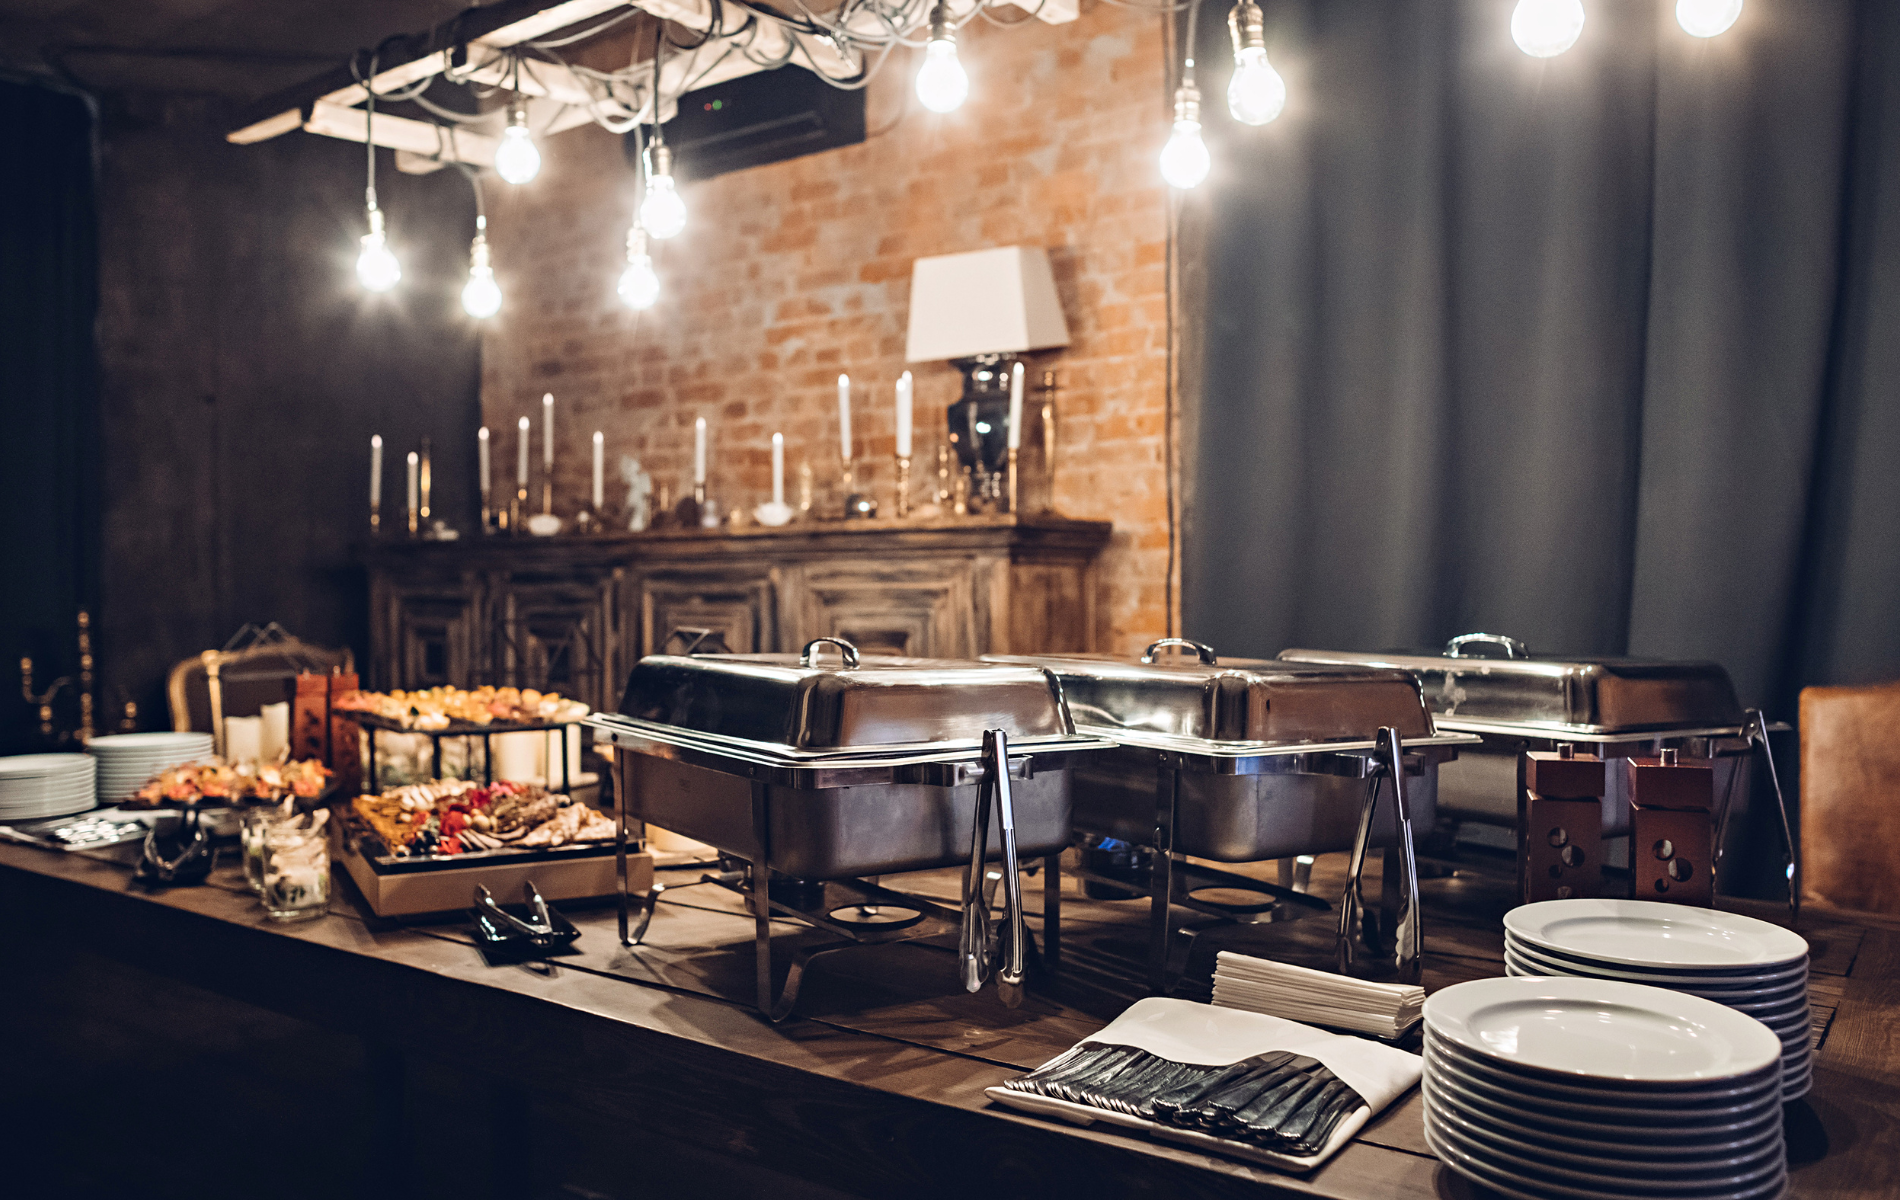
x: 253, y: 824
x: 296, y: 869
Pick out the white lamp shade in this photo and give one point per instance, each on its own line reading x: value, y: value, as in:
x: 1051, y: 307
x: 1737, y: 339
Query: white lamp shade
x: 1000, y: 301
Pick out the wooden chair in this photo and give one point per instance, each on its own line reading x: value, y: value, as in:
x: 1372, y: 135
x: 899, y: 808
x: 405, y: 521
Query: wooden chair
x: 1850, y: 797
x: 246, y: 678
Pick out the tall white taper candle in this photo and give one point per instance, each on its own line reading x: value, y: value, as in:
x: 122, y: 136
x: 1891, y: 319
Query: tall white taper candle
x: 521, y: 473
x: 699, y: 451
x: 481, y: 442
x: 600, y: 450
x: 547, y: 431
x: 376, y: 470
x: 1016, y: 407
x: 415, y: 481
x: 778, y: 468
x: 844, y: 415
x: 903, y: 415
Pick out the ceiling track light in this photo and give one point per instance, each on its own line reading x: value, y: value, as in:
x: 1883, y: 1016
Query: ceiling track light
x: 942, y: 83
x: 1256, y: 94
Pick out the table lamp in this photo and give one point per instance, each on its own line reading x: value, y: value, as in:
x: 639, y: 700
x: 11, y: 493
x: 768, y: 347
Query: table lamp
x: 980, y: 310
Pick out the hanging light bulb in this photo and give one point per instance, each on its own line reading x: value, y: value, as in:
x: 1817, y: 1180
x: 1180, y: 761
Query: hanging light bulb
x: 662, y: 213
x: 942, y: 83
x: 516, y: 159
x: 480, y: 297
x: 377, y: 268
x: 1256, y: 94
x: 1706, y: 18
x: 1546, y: 28
x: 639, y: 285
x: 1184, y: 159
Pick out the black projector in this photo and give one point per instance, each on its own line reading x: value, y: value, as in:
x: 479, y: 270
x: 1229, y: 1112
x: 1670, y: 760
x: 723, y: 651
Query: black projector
x: 756, y: 119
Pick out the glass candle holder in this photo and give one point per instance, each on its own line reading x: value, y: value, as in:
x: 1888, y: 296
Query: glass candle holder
x: 296, y: 885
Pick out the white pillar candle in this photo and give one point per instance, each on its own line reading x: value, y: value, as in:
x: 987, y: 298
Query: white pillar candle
x: 243, y: 739
x: 778, y: 468
x: 903, y: 415
x: 699, y: 451
x: 521, y: 471
x: 481, y: 445
x: 844, y: 415
x: 1016, y: 407
x: 276, y: 719
x: 415, y: 478
x: 547, y: 431
x: 376, y: 470
x: 600, y: 449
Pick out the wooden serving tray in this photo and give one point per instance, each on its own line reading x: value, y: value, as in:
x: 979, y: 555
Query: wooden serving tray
x: 450, y: 886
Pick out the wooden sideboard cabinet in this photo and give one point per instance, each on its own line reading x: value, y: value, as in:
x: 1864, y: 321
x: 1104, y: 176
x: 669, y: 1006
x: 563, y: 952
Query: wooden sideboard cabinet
x: 572, y: 614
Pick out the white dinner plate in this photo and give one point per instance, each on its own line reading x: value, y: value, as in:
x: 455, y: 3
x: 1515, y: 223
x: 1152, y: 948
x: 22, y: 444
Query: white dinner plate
x: 1784, y: 976
x: 1516, y: 1095
x: 1738, y: 1090
x: 1601, y: 1029
x: 1646, y: 1137
x: 1538, y: 1151
x: 1766, y: 1000
x: 1549, y: 1178
x: 1509, y: 1183
x: 1612, y: 1144
x: 136, y: 741
x: 1645, y: 933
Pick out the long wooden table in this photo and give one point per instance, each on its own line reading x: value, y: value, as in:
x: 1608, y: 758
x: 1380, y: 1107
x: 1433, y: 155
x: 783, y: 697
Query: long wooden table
x: 876, y: 1087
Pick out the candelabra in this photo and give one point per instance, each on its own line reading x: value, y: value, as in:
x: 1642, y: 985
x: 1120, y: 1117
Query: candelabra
x: 1049, y: 389
x: 1012, y: 480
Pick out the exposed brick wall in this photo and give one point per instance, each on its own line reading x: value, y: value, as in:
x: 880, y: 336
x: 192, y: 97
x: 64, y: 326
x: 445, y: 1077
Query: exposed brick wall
x: 790, y: 273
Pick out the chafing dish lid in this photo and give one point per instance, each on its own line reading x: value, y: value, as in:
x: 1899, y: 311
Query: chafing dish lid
x: 1232, y: 702
x: 853, y: 702
x: 1570, y: 695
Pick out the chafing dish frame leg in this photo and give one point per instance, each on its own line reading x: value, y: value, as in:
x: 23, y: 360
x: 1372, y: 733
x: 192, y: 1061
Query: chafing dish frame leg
x: 1356, y: 921
x: 1052, y: 912
x: 630, y: 934
x: 1161, y: 877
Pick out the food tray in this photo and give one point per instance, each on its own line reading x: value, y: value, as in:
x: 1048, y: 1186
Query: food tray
x: 445, y: 883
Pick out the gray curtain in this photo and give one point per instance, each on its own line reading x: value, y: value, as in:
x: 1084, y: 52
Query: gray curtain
x: 1598, y: 351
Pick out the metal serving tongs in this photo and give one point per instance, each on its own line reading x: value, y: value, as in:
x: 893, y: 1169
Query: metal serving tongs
x: 977, y: 956
x: 540, y: 924
x: 1755, y: 731
x: 1356, y: 921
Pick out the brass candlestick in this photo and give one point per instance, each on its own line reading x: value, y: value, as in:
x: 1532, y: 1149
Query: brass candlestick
x: 903, y: 485
x: 699, y: 492
x: 518, y: 511
x: 1049, y: 389
x: 85, y: 676
x: 943, y: 474
x: 1012, y: 479
x: 415, y: 522
x: 804, y: 489
x: 547, y: 493
x: 375, y: 520
x: 488, y: 515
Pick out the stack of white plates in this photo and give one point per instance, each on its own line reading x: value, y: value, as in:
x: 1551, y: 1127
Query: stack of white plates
x: 45, y: 785
x: 1749, y: 965
x: 127, y: 761
x: 1588, y: 1089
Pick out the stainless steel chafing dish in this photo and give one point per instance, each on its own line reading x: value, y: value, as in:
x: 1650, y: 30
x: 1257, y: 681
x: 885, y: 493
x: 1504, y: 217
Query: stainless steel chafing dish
x: 1491, y: 686
x: 1243, y: 760
x: 818, y: 774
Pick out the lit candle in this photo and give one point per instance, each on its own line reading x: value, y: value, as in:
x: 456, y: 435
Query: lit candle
x: 699, y: 451
x: 415, y: 480
x: 903, y: 415
x: 844, y: 414
x: 481, y: 444
x: 600, y: 448
x: 521, y: 472
x: 547, y: 431
x: 778, y: 468
x: 1016, y: 407
x: 376, y: 470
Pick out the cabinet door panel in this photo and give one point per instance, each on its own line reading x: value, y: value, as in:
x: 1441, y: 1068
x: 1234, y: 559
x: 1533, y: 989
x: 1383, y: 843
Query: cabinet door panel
x: 739, y: 606
x: 557, y: 637
x: 925, y: 609
x: 435, y: 640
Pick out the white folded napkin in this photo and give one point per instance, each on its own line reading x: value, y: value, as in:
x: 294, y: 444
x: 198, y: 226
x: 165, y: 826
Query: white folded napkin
x: 1301, y: 994
x: 1188, y: 1032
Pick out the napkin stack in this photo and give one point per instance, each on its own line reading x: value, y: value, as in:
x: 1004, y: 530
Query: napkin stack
x: 1384, y: 1010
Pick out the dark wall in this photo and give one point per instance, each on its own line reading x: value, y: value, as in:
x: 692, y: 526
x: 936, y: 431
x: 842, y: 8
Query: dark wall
x: 48, y: 403
x: 243, y: 371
